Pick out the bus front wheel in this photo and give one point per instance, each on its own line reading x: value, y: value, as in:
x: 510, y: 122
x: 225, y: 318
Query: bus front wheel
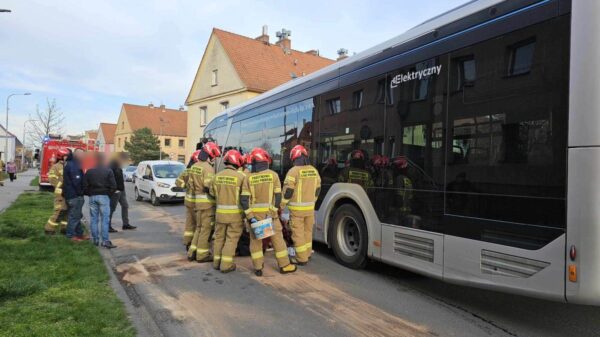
x: 349, y: 237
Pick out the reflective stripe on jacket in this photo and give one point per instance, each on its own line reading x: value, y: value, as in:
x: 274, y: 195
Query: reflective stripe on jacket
x: 262, y: 188
x: 226, y: 189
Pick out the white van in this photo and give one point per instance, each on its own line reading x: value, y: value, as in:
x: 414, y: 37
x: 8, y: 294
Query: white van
x: 155, y: 180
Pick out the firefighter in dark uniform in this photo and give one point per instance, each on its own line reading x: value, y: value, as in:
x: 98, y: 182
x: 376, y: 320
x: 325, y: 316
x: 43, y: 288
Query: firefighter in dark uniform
x: 356, y: 172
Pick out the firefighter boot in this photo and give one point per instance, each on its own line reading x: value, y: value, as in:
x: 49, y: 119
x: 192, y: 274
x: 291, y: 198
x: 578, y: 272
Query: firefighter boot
x: 290, y: 268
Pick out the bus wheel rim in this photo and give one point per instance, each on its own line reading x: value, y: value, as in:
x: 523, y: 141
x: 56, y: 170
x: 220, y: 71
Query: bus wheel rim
x: 348, y: 234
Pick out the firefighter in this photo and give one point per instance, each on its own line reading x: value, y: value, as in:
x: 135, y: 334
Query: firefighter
x: 200, y: 177
x: 261, y: 198
x: 226, y: 189
x: 190, y: 215
x: 403, y: 186
x: 58, y: 220
x: 356, y: 172
x: 301, y: 189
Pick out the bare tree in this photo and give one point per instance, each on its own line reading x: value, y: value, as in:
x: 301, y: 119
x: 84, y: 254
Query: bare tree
x: 48, y: 121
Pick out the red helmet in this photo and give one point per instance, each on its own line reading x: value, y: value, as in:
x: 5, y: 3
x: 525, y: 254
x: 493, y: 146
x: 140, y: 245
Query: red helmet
x: 62, y: 152
x: 380, y: 161
x: 195, y: 156
x: 298, y: 151
x: 212, y: 150
x: 259, y: 155
x: 400, y: 162
x: 234, y: 157
x: 357, y: 154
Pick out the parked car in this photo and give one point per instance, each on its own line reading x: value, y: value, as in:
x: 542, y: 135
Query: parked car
x: 155, y: 180
x: 128, y: 173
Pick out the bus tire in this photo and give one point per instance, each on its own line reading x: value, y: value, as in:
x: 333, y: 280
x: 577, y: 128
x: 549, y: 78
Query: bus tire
x: 349, y: 237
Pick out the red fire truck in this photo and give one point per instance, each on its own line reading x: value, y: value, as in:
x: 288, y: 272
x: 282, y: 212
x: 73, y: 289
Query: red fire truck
x: 49, y: 148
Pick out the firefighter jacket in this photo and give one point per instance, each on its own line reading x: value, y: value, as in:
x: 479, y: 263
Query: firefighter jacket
x: 55, y: 176
x: 226, y: 189
x: 197, y: 181
x: 261, y: 193
x: 301, y: 188
x: 356, y: 175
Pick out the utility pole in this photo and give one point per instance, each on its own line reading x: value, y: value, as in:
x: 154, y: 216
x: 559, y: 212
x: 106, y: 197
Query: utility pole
x: 6, y: 125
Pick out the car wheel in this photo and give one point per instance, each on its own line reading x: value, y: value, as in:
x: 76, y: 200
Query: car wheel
x: 154, y: 200
x: 349, y: 237
x: 138, y: 197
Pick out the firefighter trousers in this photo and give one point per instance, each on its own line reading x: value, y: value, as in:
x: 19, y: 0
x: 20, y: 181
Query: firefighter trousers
x: 58, y: 219
x: 226, y: 237
x: 205, y: 220
x: 256, y: 246
x: 302, y: 233
x: 190, y: 224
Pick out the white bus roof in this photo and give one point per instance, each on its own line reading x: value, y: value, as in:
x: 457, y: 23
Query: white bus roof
x: 413, y: 33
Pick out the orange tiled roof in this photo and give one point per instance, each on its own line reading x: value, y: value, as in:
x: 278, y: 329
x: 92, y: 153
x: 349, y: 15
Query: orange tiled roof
x: 108, y: 130
x: 143, y: 116
x: 92, y: 134
x: 264, y: 66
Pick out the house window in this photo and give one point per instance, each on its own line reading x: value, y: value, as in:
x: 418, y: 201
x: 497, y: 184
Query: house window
x: 335, y: 106
x: 122, y: 125
x: 214, y: 79
x: 357, y: 98
x: 521, y: 57
x: 181, y: 143
x: 167, y: 142
x: 224, y: 105
x: 119, y: 142
x: 181, y: 158
x: 203, y: 115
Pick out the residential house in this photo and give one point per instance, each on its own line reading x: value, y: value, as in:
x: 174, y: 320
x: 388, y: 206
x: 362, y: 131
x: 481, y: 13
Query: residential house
x: 7, y: 138
x: 169, y: 125
x: 235, y: 68
x: 106, y: 137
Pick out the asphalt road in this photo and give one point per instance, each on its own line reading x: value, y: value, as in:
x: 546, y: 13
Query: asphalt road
x: 169, y: 296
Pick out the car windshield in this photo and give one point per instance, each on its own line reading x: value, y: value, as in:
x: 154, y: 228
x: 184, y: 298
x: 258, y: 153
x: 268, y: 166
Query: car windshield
x: 130, y: 169
x: 167, y: 171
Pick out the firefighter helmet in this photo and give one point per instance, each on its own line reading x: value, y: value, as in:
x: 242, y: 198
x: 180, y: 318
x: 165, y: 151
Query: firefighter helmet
x: 62, y: 152
x: 380, y: 161
x: 212, y: 150
x: 357, y: 154
x: 400, y: 162
x: 195, y: 156
x: 234, y: 157
x: 298, y: 151
x: 259, y: 155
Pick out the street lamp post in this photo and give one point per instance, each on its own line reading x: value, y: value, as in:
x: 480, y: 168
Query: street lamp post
x: 23, y: 150
x: 6, y: 125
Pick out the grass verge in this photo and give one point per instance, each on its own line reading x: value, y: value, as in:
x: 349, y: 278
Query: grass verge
x: 35, y: 181
x: 50, y: 286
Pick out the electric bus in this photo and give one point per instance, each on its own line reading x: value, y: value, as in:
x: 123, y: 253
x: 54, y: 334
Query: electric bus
x: 486, y: 119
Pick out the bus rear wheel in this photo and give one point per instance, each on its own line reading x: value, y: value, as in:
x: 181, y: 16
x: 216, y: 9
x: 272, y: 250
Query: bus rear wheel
x: 349, y: 237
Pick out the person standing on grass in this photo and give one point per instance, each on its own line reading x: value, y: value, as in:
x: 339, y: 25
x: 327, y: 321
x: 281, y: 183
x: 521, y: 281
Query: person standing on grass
x: 73, y: 193
x: 11, y: 169
x: 119, y: 197
x: 99, y: 184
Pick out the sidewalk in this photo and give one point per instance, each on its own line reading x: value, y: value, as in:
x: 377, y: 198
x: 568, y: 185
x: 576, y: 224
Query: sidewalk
x: 10, y: 191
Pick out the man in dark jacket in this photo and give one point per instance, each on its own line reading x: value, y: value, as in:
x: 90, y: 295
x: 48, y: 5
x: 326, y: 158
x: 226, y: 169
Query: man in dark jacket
x: 99, y: 184
x: 73, y: 193
x: 119, y: 197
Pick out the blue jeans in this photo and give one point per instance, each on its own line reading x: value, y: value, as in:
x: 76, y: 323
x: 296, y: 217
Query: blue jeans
x: 99, y: 212
x: 75, y: 214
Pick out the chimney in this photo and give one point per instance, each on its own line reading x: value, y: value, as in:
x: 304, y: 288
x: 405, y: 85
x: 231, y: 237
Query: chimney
x: 151, y: 105
x: 265, y: 35
x: 181, y: 108
x: 342, y: 54
x: 314, y: 52
x: 284, y: 40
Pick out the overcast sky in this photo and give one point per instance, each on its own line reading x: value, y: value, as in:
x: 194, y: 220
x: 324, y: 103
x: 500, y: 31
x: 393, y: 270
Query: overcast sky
x: 92, y: 56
